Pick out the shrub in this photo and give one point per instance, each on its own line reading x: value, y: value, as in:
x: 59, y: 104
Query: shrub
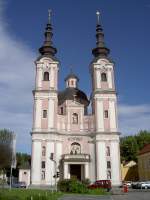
x: 86, y: 182
x: 72, y: 186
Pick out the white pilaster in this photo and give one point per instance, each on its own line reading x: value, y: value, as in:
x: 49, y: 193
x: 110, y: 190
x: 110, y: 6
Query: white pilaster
x: 50, y: 168
x: 51, y: 114
x: 109, y: 74
x: 36, y: 162
x: 98, y: 79
x: 112, y: 110
x: 37, y: 113
x: 52, y: 76
x: 99, y: 116
x: 86, y: 170
x: 66, y: 170
x: 92, y: 163
x: 58, y: 152
x: 115, y: 163
x: 69, y: 122
x: 101, y: 164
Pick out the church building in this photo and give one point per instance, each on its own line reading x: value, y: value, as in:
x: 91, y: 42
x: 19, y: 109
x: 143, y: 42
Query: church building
x: 67, y: 140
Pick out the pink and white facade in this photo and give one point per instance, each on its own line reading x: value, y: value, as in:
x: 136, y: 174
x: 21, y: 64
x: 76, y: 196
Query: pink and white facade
x: 85, y: 145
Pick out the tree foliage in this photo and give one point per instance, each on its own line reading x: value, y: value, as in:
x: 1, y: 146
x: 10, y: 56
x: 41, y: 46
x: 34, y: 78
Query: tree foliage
x: 131, y: 145
x: 6, y: 140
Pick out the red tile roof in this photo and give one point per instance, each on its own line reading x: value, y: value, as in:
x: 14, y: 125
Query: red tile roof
x: 146, y: 149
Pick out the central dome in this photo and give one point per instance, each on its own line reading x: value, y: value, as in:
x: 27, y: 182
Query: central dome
x: 73, y: 94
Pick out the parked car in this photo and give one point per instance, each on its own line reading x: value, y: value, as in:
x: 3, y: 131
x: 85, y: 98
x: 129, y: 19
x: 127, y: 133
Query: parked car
x: 144, y: 185
x: 19, y: 185
x: 135, y: 185
x: 101, y: 184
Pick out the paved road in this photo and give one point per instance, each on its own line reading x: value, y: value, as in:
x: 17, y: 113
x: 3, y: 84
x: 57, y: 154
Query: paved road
x: 129, y: 196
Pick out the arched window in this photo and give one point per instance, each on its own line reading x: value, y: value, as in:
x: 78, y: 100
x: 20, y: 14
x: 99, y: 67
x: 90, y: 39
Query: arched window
x: 108, y: 175
x: 75, y: 148
x: 43, y: 175
x: 108, y: 151
x: 43, y: 151
x: 75, y: 118
x: 46, y: 76
x: 103, y: 77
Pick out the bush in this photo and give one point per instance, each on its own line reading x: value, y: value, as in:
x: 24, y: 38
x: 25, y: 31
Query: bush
x: 86, y: 182
x: 72, y: 186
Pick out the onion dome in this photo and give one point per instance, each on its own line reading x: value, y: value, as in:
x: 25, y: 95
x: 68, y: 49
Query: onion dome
x: 101, y: 50
x: 48, y: 49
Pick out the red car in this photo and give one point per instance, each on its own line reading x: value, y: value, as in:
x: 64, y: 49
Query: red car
x: 101, y: 184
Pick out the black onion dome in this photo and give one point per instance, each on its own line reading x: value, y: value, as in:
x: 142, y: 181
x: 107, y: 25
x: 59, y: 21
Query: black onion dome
x: 73, y: 94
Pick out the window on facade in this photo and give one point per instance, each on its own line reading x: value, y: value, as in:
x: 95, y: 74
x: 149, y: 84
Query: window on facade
x: 46, y: 76
x: 108, y: 164
x: 103, y: 77
x: 25, y: 173
x: 43, y: 175
x: 44, y: 113
x: 108, y: 175
x: 106, y: 113
x: 108, y: 151
x: 75, y: 118
x: 43, y: 164
x: 61, y: 110
x: 75, y: 148
x: 43, y: 151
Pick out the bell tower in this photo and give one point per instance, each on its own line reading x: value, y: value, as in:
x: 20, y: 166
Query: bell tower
x: 104, y: 108
x: 45, y: 110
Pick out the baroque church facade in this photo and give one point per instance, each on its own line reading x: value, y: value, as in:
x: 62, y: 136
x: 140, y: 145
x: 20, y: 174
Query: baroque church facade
x: 66, y: 139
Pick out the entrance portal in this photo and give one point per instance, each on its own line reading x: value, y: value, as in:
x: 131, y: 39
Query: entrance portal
x: 75, y: 171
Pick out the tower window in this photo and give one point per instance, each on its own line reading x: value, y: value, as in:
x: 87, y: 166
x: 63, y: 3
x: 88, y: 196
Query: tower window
x: 43, y: 175
x: 61, y: 110
x: 108, y: 151
x: 46, y: 76
x: 103, y: 77
x: 43, y: 151
x: 109, y: 175
x: 106, y: 113
x: 108, y: 164
x: 43, y: 164
x: 44, y: 113
x: 75, y: 118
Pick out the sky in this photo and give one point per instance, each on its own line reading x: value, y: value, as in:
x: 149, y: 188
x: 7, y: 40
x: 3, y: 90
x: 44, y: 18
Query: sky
x: 127, y: 31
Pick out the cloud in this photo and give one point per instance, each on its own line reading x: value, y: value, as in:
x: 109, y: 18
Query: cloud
x: 133, y: 118
x: 16, y: 84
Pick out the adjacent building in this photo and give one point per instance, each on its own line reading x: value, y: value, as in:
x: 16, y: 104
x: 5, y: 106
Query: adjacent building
x: 66, y: 138
x: 144, y: 163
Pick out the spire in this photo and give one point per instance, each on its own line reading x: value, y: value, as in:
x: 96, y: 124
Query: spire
x: 47, y: 48
x: 101, y: 50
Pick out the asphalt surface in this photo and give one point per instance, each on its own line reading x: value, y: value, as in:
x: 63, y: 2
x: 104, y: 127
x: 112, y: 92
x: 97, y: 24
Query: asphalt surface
x: 129, y: 196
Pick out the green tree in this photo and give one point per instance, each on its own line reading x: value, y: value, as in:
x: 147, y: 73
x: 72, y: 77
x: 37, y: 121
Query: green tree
x: 131, y: 145
x: 6, y: 141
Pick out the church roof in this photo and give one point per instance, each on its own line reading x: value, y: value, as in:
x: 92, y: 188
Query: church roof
x: 73, y: 94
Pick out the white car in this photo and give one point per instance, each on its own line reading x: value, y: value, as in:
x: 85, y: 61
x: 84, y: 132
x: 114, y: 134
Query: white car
x: 145, y: 185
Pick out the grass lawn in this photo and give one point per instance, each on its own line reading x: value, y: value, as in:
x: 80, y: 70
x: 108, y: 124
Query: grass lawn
x: 27, y: 194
